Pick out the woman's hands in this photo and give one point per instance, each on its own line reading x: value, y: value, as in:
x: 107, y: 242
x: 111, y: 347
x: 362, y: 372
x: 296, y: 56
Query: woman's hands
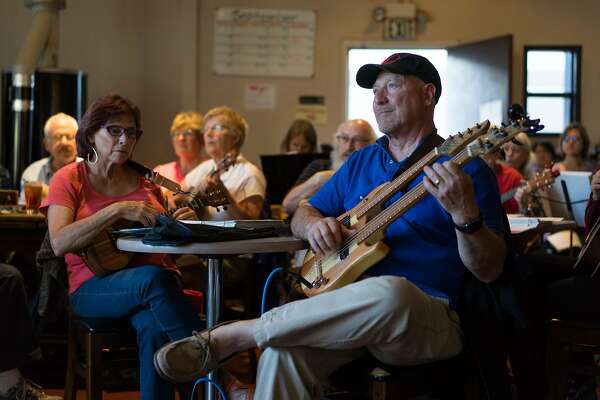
x: 137, y: 211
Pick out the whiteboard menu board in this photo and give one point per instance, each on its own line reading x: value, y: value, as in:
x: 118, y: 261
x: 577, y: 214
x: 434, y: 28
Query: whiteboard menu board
x: 264, y: 42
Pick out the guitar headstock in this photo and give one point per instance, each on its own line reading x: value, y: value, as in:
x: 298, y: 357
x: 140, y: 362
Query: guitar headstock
x: 223, y: 165
x: 542, y: 179
x: 455, y: 143
x: 497, y: 136
x: 216, y: 196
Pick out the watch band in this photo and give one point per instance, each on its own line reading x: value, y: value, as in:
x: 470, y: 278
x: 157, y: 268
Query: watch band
x: 471, y: 226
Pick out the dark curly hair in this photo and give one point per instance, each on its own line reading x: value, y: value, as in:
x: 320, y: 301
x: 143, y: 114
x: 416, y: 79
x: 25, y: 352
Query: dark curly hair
x: 101, y: 111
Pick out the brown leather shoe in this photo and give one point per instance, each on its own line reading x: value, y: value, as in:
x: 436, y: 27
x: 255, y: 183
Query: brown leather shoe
x: 187, y: 359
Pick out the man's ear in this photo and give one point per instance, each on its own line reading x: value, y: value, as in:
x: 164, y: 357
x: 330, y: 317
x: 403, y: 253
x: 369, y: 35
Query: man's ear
x: 429, y: 94
x: 47, y: 144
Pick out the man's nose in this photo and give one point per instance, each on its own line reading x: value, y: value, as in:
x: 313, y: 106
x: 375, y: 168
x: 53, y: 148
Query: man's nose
x: 380, y: 96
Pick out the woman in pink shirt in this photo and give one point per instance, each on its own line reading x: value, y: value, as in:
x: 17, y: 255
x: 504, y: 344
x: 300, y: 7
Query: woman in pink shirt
x: 87, y: 197
x: 188, y: 144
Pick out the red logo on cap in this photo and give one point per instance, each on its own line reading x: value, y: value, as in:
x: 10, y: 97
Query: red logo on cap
x: 393, y: 58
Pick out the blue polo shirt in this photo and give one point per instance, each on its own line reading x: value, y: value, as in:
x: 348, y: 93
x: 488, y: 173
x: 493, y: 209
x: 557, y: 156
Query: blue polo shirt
x: 422, y: 241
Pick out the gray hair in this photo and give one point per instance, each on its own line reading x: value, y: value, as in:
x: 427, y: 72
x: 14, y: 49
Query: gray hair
x: 60, y: 117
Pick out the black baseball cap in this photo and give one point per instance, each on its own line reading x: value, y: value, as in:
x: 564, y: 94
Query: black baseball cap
x: 404, y: 64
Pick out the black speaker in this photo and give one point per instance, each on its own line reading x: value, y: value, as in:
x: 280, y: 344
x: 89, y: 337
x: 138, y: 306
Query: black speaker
x: 54, y: 91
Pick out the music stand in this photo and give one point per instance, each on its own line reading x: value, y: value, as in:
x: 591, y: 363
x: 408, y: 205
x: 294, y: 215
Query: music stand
x: 568, y: 196
x: 282, y: 171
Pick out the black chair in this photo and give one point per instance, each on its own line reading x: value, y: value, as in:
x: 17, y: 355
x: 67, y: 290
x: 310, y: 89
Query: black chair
x: 366, y: 378
x: 570, y: 346
x: 99, y: 339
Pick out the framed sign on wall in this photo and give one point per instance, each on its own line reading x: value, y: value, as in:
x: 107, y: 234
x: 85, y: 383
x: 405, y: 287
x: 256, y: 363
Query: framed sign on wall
x: 264, y: 42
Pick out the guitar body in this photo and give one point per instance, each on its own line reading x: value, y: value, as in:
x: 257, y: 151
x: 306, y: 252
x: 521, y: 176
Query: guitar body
x: 103, y: 257
x: 338, y: 272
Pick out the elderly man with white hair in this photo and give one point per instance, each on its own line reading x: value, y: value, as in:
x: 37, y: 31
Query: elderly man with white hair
x: 350, y: 136
x: 59, y: 141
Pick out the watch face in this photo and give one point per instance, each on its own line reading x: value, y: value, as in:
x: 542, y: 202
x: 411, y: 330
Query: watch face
x: 379, y: 14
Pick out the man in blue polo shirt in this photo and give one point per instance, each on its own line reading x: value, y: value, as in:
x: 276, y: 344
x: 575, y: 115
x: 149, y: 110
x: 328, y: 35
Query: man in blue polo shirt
x: 402, y: 312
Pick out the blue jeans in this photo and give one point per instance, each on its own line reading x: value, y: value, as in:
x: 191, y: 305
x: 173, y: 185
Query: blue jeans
x: 152, y: 298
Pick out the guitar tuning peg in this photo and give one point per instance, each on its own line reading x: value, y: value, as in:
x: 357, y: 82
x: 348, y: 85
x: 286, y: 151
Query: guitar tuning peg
x: 469, y: 130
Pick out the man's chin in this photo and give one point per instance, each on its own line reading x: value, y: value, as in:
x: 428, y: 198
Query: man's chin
x: 65, y: 159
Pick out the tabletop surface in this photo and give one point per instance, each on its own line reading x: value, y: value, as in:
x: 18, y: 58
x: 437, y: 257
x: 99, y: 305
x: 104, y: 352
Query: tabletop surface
x: 525, y: 225
x: 233, y: 247
x: 21, y: 216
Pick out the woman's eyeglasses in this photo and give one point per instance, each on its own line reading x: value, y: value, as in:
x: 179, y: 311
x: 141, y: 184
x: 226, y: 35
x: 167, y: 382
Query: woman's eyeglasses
x: 572, y: 139
x: 216, y: 128
x: 117, y: 131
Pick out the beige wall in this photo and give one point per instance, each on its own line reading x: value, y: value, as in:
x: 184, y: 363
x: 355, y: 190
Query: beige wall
x: 159, y: 53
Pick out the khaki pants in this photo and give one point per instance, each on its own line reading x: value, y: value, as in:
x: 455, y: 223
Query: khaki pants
x: 307, y: 340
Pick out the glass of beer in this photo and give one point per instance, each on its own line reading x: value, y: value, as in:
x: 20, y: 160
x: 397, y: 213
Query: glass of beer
x: 33, y: 196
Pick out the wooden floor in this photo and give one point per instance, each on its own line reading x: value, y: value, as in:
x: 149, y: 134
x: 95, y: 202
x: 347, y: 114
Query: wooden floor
x: 238, y: 366
x: 105, y: 395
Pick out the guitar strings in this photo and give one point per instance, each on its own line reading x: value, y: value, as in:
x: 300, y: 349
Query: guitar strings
x: 393, y: 186
x: 416, y: 168
x: 389, y: 213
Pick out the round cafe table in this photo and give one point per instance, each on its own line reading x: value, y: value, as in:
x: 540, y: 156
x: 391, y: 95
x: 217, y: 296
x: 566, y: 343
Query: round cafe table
x: 215, y: 252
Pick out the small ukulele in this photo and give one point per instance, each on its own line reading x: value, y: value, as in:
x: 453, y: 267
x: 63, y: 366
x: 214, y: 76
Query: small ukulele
x: 103, y: 257
x: 541, y: 179
x: 365, y: 247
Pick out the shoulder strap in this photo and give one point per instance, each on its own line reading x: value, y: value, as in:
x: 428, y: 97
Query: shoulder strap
x: 431, y: 141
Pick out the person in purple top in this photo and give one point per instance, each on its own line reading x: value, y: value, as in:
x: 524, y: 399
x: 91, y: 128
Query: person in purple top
x: 402, y: 311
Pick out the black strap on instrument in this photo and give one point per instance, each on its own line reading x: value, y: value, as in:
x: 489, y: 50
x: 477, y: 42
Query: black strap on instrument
x: 429, y: 143
x: 154, y: 176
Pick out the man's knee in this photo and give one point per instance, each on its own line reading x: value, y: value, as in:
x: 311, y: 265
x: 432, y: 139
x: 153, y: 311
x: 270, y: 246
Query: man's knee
x: 396, y: 295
